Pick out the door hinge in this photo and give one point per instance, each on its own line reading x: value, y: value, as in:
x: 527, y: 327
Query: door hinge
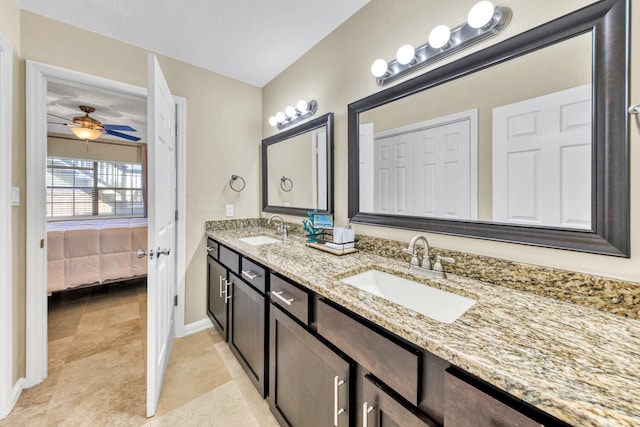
x: 176, y: 215
x: 175, y: 300
x: 41, y: 243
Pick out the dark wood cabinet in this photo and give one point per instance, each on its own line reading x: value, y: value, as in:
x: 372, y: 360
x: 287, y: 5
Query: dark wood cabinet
x: 470, y: 402
x: 247, y: 328
x: 309, y: 384
x: 321, y: 364
x: 217, y: 307
x: 381, y: 408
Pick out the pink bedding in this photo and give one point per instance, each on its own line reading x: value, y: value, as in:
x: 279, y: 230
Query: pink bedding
x: 94, y: 251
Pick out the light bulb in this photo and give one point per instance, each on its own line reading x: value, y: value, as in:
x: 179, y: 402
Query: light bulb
x: 280, y: 117
x: 290, y: 111
x: 405, y: 54
x: 379, y: 67
x: 480, y: 14
x: 273, y: 121
x: 439, y: 36
x: 302, y: 106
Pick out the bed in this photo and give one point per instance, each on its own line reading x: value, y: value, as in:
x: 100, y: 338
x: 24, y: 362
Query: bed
x: 94, y: 251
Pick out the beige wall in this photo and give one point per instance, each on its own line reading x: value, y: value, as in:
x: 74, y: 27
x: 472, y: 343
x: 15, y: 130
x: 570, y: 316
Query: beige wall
x: 223, y: 137
x: 336, y: 72
x: 10, y: 27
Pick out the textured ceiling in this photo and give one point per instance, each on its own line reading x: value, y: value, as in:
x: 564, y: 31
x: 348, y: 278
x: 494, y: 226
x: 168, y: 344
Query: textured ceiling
x: 249, y: 40
x: 111, y: 109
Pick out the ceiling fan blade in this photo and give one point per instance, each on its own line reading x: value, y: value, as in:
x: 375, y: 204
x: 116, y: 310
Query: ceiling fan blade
x: 122, y: 135
x: 119, y: 127
x: 60, y: 117
x: 58, y: 123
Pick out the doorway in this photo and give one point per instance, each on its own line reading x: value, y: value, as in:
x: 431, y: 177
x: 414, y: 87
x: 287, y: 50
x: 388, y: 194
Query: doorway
x: 38, y: 76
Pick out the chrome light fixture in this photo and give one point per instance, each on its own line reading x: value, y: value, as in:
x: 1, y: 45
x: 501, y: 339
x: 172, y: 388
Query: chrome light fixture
x: 484, y: 21
x: 291, y: 115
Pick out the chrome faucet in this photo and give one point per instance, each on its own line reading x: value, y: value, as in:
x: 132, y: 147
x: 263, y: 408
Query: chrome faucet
x: 424, y: 268
x: 281, y: 229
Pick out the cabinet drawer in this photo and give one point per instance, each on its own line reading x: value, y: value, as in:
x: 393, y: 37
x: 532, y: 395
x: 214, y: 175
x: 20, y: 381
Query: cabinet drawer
x: 212, y: 248
x: 253, y: 274
x: 229, y: 259
x: 291, y: 298
x: 468, y: 406
x: 395, y: 365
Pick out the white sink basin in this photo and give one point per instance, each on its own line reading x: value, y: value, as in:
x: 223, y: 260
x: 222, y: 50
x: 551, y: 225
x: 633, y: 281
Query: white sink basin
x: 435, y: 303
x: 259, y: 240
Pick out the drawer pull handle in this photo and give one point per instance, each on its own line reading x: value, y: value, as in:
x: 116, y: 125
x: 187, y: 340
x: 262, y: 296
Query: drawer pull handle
x: 337, y: 410
x: 210, y: 248
x: 281, y: 298
x: 366, y: 409
x: 249, y: 274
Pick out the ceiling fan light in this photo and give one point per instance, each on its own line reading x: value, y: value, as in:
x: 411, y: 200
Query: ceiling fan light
x: 86, y: 133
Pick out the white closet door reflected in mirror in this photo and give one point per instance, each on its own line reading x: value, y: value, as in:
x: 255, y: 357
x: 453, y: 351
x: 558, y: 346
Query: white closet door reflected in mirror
x: 542, y: 160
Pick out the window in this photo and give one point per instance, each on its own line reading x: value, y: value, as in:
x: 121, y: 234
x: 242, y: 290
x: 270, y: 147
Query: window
x: 88, y: 188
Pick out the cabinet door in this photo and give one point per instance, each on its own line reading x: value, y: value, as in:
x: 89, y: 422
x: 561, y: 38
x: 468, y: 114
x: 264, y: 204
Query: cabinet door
x: 247, y: 330
x: 217, y: 296
x: 381, y: 409
x: 308, y: 383
x: 468, y: 406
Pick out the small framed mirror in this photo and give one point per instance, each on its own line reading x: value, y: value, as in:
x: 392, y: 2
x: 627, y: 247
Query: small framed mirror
x: 297, y: 169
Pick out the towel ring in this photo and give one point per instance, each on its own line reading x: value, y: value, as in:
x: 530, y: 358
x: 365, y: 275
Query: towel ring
x: 283, y: 184
x: 233, y: 179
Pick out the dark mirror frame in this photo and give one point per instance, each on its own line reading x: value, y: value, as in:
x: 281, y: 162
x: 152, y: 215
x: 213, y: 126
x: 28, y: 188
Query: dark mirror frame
x: 325, y: 120
x: 608, y: 21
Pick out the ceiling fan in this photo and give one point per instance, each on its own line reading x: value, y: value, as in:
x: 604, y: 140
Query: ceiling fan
x: 86, y: 127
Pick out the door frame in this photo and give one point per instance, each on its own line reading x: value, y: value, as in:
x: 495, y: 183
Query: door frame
x: 8, y: 393
x: 38, y: 74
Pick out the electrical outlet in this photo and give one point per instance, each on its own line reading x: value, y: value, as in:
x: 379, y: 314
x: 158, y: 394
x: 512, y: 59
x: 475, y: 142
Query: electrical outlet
x: 229, y: 211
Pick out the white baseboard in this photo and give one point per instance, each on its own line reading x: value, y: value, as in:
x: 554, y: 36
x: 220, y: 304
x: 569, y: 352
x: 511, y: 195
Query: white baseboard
x: 197, y: 326
x: 15, y: 393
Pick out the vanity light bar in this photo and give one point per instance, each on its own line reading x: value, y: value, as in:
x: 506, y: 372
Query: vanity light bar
x: 484, y: 21
x: 293, y: 115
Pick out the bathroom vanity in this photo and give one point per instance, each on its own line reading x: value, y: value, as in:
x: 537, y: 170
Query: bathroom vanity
x: 324, y: 352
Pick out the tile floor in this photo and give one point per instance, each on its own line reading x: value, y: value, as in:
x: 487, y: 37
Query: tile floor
x: 97, y: 370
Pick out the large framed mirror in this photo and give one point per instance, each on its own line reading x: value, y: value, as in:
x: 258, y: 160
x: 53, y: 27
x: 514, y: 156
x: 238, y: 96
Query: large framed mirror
x: 297, y: 169
x: 525, y: 141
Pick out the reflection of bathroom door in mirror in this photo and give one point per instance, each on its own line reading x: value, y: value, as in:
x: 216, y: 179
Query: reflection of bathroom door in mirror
x: 426, y: 169
x: 319, y: 158
x: 542, y: 160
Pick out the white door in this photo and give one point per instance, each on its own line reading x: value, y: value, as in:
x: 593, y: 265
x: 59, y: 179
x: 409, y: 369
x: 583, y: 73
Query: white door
x: 442, y: 176
x: 393, y: 180
x: 319, y: 158
x: 161, y: 276
x: 366, y: 167
x: 542, y: 160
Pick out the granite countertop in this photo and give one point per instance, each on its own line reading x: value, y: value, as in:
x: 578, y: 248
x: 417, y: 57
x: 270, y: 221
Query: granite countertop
x: 577, y: 363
